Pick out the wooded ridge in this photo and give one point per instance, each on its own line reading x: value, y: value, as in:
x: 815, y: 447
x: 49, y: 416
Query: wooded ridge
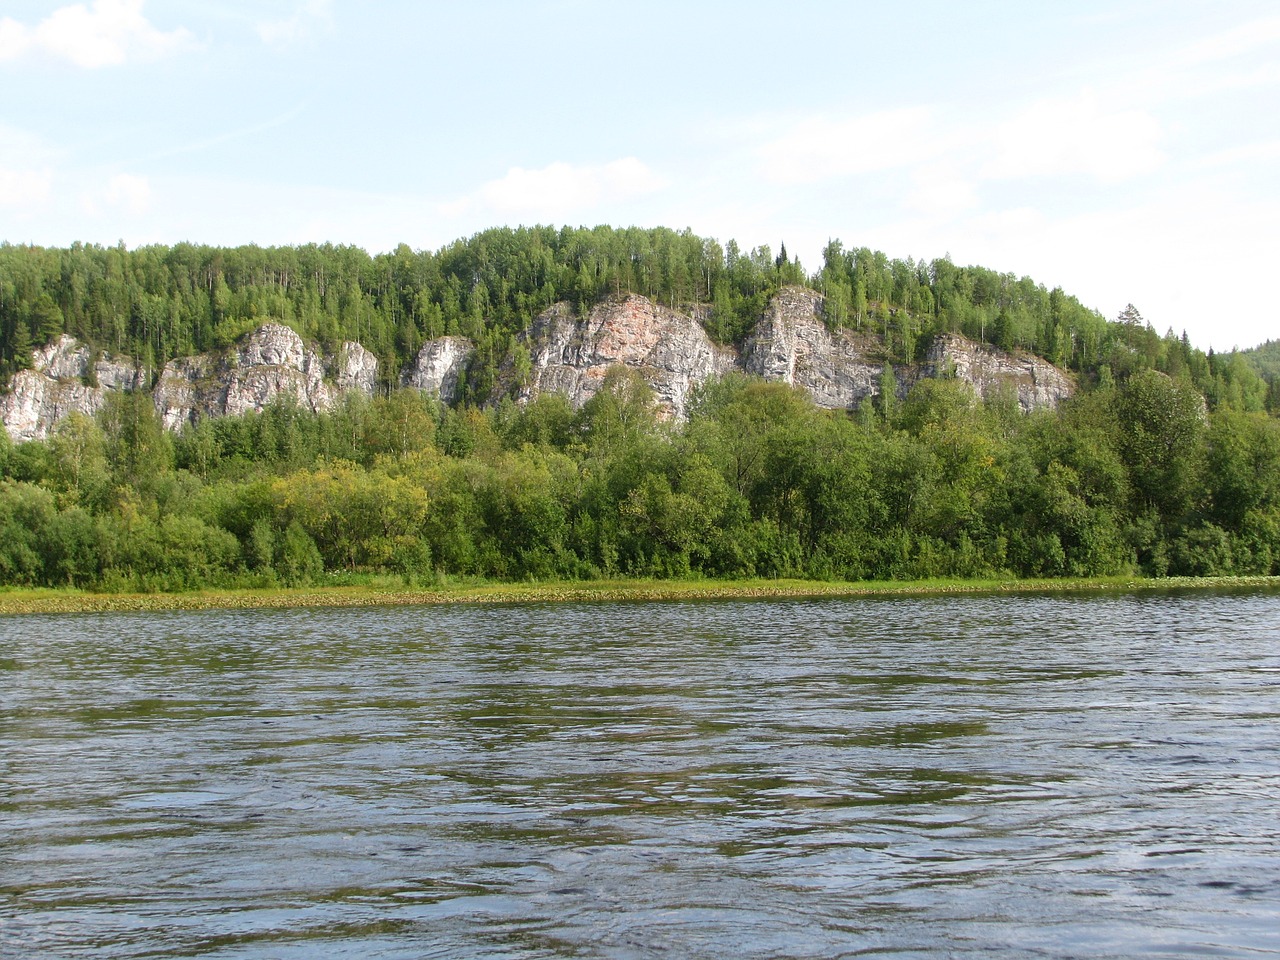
x: 1163, y: 460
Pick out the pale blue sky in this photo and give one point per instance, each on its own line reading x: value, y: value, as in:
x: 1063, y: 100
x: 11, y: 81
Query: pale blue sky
x: 1126, y: 150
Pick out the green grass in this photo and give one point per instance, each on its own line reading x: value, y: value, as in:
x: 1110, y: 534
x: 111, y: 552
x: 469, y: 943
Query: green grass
x: 384, y: 591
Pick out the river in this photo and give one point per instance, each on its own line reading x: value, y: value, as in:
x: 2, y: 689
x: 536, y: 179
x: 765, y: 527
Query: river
x: 1040, y: 776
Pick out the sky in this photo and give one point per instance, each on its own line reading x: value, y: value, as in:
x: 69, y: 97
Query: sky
x: 1127, y: 151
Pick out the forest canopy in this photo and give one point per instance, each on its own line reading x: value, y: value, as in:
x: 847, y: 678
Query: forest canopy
x: 155, y: 303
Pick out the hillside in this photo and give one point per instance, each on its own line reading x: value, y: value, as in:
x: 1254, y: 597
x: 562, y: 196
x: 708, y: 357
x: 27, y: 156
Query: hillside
x: 533, y: 404
x: 560, y: 353
x: 142, y: 310
x: 1265, y: 359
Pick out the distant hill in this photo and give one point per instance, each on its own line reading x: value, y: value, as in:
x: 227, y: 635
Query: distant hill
x: 1265, y: 359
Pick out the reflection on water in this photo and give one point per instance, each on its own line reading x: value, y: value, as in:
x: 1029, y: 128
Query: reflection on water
x: 1061, y: 777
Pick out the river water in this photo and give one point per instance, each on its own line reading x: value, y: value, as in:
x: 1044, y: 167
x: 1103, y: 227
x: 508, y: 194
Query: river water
x: 999, y: 777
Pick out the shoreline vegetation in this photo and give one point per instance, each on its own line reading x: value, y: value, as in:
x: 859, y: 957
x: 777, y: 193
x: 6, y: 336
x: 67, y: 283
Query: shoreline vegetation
x: 1164, y: 463
x: 60, y: 601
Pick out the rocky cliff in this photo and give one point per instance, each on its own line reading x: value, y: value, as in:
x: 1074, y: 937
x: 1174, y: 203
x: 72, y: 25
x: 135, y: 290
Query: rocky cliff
x: 571, y: 355
x: 791, y: 343
x: 560, y: 352
x: 439, y: 367
x: 270, y: 363
x: 64, y: 378
x: 840, y: 370
x: 1037, y: 384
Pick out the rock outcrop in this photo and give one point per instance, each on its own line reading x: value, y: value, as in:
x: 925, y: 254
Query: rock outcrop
x: 560, y: 352
x: 355, y: 369
x: 791, y: 343
x: 64, y: 379
x: 1038, y: 384
x: 269, y: 364
x: 840, y: 370
x: 571, y: 355
x: 439, y: 367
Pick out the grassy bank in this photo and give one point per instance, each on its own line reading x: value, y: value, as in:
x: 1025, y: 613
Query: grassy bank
x: 379, y: 593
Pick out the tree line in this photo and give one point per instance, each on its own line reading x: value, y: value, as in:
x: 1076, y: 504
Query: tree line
x: 1138, y: 474
x: 158, y: 302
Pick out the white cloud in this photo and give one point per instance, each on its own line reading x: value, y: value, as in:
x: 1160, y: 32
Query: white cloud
x: 821, y: 148
x: 1240, y: 59
x: 25, y: 189
x: 1079, y: 135
x: 308, y: 15
x: 942, y: 191
x: 108, y: 33
x: 20, y: 148
x: 1266, y: 152
x: 1232, y: 43
x: 1164, y: 253
x: 13, y: 39
x: 26, y: 169
x: 131, y: 192
x: 561, y: 190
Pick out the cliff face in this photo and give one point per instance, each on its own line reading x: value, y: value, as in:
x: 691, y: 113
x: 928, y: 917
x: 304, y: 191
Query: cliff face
x: 270, y: 363
x: 439, y: 366
x: 792, y: 344
x: 64, y: 379
x: 571, y: 356
x: 565, y: 354
x: 1038, y: 385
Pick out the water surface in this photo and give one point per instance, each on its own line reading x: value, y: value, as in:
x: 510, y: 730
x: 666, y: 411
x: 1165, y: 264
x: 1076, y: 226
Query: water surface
x: 1007, y: 777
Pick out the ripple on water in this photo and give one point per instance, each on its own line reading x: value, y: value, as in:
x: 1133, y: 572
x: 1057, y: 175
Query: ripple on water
x: 1007, y: 777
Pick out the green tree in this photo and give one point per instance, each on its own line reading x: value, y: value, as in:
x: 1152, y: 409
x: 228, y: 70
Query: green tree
x: 622, y: 410
x: 138, y: 447
x: 78, y: 451
x: 1162, y: 428
x: 401, y: 423
x: 358, y: 519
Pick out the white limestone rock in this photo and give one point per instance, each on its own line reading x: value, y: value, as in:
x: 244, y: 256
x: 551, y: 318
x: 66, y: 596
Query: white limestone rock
x: 60, y: 383
x: 567, y: 354
x: 571, y: 355
x: 1038, y: 384
x: 791, y: 343
x: 355, y: 369
x: 271, y: 364
x: 438, y: 367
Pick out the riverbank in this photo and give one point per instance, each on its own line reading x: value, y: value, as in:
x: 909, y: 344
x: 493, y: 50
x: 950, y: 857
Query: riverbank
x: 382, y: 594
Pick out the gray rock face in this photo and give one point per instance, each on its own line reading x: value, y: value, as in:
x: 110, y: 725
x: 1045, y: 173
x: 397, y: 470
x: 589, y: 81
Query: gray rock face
x: 438, y: 367
x: 567, y: 354
x: 571, y: 356
x: 356, y: 369
x: 1038, y: 385
x: 792, y: 344
x: 269, y: 364
x: 58, y: 385
x: 64, y: 359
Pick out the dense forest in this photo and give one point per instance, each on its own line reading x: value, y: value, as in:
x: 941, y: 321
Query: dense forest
x: 155, y: 303
x: 1166, y: 461
x: 1265, y: 359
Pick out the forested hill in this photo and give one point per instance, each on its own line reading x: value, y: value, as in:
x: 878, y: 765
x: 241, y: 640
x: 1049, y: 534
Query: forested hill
x: 156, y: 303
x: 1265, y: 358
x: 1163, y: 459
